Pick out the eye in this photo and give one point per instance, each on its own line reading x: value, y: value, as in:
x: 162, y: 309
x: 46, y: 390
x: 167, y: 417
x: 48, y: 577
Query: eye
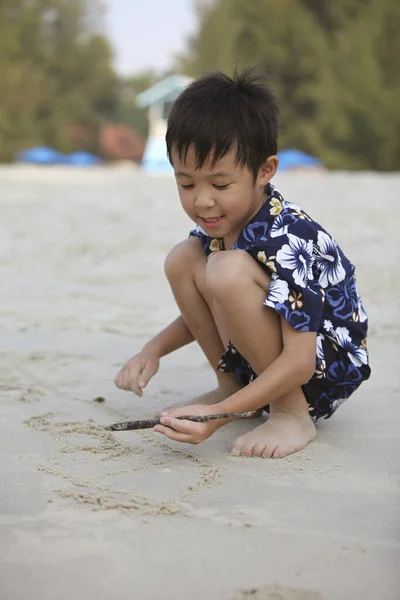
x: 187, y: 187
x: 221, y: 187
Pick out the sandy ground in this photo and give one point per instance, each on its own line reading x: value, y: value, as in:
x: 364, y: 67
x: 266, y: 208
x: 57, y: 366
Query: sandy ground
x: 89, y: 514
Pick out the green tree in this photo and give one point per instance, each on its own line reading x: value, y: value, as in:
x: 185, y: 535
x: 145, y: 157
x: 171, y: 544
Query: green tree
x: 213, y: 47
x: 360, y: 93
x: 333, y: 66
x: 56, y: 71
x: 235, y: 34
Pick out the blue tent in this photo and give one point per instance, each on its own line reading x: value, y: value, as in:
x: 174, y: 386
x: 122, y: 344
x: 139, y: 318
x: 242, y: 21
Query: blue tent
x: 82, y: 159
x: 41, y: 155
x: 295, y: 159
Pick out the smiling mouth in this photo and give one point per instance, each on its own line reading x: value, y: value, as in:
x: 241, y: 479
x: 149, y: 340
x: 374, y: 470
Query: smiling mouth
x: 211, y: 219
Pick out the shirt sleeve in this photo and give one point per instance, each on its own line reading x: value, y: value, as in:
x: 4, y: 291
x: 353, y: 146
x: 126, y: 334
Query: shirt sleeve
x: 210, y: 245
x: 293, y: 292
x: 197, y: 232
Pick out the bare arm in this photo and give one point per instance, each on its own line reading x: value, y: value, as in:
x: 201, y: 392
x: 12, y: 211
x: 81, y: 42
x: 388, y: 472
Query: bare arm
x: 137, y: 372
x: 291, y: 369
x: 174, y: 336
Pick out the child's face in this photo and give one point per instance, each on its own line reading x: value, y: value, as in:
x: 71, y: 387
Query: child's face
x: 222, y: 198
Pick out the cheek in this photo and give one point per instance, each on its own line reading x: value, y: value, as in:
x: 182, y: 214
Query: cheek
x: 186, y: 202
x: 232, y: 206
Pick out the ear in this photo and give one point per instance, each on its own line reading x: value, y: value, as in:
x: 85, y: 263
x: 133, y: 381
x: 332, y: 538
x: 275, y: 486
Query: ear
x: 267, y: 171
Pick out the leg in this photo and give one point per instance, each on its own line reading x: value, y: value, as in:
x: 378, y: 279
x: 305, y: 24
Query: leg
x: 185, y: 269
x: 239, y: 286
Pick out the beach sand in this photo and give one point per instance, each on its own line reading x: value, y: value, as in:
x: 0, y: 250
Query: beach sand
x: 85, y: 513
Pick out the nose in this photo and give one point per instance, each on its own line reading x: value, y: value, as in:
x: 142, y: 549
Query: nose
x: 204, y: 199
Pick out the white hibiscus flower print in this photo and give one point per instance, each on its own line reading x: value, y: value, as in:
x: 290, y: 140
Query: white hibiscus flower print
x: 278, y: 292
x: 281, y: 224
x: 328, y: 260
x: 357, y: 354
x: 297, y: 256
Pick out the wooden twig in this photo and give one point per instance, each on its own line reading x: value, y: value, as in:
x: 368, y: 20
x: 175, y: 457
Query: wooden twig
x: 149, y: 423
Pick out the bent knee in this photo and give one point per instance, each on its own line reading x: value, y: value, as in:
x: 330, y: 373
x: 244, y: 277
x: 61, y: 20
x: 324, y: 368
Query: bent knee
x: 231, y: 269
x: 226, y: 269
x: 183, y: 257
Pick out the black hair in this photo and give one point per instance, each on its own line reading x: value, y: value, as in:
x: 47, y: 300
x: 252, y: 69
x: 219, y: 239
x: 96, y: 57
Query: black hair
x: 216, y: 113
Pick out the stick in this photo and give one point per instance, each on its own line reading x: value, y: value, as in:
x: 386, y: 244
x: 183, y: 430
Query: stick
x: 149, y: 423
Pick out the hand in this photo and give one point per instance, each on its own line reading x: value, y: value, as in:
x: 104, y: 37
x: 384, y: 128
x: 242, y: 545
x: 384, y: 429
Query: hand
x: 137, y: 372
x: 188, y: 432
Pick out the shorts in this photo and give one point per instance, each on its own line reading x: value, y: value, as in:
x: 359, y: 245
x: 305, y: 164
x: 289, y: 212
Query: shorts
x: 334, y: 380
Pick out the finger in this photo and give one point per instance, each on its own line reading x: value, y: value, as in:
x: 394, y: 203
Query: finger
x: 133, y: 385
x: 177, y: 436
x: 119, y: 379
x: 122, y: 381
x: 146, y: 375
x: 188, y: 427
x: 131, y: 377
x: 177, y: 411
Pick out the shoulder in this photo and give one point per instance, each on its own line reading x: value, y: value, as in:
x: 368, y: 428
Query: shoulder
x: 270, y: 227
x: 291, y: 218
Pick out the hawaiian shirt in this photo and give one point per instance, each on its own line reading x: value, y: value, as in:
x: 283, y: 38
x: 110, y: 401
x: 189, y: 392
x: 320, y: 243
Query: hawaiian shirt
x: 313, y: 284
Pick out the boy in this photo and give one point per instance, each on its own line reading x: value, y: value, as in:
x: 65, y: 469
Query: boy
x: 264, y: 290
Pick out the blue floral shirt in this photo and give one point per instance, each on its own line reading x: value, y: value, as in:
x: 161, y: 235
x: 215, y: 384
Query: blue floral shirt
x: 313, y: 284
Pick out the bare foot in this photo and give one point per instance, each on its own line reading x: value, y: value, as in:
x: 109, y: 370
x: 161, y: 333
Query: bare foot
x: 283, y: 434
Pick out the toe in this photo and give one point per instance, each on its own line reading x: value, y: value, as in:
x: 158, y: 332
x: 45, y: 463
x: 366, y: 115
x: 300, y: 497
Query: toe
x: 258, y: 450
x: 268, y: 452
x: 281, y: 451
x: 237, y: 447
x: 242, y: 449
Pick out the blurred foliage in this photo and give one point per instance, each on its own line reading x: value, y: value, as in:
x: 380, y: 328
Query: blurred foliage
x: 55, y: 73
x: 128, y: 112
x: 57, y: 83
x: 333, y: 65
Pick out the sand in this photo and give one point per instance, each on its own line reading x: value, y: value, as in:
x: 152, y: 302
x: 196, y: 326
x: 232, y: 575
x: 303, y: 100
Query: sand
x: 85, y: 513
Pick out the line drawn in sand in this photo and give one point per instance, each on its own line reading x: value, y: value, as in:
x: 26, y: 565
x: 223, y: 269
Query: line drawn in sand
x: 85, y: 449
x: 96, y: 486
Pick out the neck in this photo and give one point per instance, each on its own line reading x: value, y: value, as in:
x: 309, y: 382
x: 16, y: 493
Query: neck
x: 231, y: 238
